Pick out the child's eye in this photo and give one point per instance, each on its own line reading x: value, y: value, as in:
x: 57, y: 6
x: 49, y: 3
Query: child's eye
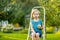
x: 36, y: 14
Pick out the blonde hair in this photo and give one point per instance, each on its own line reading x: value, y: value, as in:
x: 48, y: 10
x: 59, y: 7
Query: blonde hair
x: 34, y: 10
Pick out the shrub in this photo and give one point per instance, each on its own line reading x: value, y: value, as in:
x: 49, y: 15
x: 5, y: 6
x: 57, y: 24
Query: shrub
x: 25, y: 31
x: 50, y: 29
x: 58, y: 32
x: 7, y: 28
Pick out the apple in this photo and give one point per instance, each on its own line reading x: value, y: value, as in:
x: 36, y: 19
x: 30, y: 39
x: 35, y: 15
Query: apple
x: 39, y: 26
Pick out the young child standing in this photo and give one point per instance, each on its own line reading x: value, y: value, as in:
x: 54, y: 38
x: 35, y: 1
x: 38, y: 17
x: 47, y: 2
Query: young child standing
x: 36, y: 25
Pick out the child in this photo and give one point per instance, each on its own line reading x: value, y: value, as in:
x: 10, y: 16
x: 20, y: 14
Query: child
x: 36, y: 25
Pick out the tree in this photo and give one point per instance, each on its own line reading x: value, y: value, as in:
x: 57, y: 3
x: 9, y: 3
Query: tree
x: 15, y: 10
x: 52, y: 12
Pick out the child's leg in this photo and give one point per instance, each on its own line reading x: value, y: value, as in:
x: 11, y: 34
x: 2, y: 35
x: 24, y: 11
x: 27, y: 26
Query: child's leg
x: 33, y: 36
x: 37, y: 36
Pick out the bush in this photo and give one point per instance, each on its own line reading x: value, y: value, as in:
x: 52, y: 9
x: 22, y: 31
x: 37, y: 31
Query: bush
x: 25, y: 31
x: 50, y: 29
x: 7, y: 28
x: 58, y: 32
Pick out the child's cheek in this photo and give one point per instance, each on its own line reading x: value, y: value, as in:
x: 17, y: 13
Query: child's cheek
x: 33, y: 15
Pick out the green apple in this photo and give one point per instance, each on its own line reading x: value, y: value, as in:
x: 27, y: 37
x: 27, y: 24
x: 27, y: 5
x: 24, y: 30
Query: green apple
x: 39, y: 26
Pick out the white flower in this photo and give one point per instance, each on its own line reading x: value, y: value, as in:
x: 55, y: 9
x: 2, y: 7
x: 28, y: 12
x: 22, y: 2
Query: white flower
x: 7, y: 27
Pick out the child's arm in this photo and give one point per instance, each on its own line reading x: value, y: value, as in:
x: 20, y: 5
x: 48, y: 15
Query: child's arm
x: 41, y: 25
x: 32, y: 27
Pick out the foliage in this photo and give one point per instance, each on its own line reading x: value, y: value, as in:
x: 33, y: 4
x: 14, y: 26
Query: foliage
x: 52, y: 11
x: 50, y: 29
x: 15, y: 10
x: 58, y: 32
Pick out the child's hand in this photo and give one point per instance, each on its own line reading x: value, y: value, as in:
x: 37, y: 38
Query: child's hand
x: 39, y: 27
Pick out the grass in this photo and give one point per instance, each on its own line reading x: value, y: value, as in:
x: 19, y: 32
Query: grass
x: 17, y: 35
x: 53, y: 37
x: 13, y: 36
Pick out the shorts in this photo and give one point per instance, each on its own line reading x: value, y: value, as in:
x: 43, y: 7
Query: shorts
x: 40, y: 35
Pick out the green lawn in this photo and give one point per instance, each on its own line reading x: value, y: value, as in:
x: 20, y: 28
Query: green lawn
x: 21, y: 36
x: 13, y: 36
x: 53, y: 37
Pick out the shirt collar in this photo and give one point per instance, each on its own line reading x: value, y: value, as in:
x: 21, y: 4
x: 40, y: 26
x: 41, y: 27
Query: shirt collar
x: 36, y: 20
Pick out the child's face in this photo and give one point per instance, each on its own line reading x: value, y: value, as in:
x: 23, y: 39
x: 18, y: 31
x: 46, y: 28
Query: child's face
x: 36, y: 15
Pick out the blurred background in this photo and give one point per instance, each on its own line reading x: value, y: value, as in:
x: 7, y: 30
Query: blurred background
x: 15, y: 16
